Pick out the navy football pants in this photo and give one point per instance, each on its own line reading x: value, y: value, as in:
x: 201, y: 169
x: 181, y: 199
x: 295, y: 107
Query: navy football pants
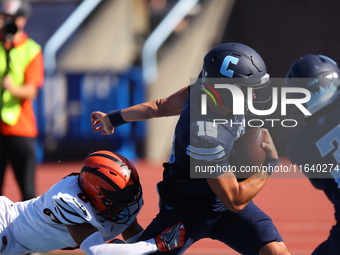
x: 246, y: 232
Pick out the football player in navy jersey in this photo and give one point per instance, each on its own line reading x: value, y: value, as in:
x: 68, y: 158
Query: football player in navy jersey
x: 85, y: 210
x: 210, y: 206
x: 316, y: 145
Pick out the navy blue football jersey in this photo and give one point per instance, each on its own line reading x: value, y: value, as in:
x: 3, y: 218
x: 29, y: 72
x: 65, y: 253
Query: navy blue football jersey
x: 316, y: 147
x: 200, y: 151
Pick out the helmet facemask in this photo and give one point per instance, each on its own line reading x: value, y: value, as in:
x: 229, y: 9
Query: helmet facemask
x: 120, y: 213
x: 260, y: 99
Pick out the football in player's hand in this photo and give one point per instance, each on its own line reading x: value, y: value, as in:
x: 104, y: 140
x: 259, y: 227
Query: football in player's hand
x: 248, y: 154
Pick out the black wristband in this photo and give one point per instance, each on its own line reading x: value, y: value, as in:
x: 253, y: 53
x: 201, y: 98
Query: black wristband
x: 116, y: 118
x: 270, y: 164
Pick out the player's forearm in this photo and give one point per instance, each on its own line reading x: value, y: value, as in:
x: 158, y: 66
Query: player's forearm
x: 142, y: 111
x: 148, y: 110
x: 250, y: 187
x: 140, y: 248
x: 246, y: 191
x: 169, y: 106
x: 132, y: 232
x: 93, y: 245
x: 236, y: 195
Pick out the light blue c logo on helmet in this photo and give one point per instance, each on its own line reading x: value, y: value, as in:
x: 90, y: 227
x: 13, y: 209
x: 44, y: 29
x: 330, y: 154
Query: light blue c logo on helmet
x: 225, y: 64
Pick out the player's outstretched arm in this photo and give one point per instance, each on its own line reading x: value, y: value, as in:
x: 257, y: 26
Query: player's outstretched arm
x: 169, y: 106
x: 132, y: 232
x: 91, y: 241
x: 236, y: 195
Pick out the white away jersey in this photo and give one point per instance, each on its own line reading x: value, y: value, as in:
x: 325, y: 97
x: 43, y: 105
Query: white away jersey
x: 40, y: 224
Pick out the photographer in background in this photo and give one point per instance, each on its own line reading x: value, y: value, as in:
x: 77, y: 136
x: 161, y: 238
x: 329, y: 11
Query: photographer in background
x: 21, y: 75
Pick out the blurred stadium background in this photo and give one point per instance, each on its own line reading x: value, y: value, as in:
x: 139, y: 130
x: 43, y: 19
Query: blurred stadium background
x: 97, y: 52
x: 108, y: 54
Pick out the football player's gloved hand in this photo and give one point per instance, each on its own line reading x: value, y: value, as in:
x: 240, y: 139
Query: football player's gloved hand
x: 171, y: 238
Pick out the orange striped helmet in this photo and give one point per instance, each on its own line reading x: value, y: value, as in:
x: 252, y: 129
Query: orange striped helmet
x: 111, y: 183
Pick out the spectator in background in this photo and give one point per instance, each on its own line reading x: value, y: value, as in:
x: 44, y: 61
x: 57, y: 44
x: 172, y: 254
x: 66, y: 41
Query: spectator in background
x: 21, y: 75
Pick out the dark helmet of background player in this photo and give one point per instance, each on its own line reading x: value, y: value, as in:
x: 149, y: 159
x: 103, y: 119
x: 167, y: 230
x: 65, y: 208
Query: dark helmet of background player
x: 235, y: 64
x: 15, y: 8
x: 318, y: 74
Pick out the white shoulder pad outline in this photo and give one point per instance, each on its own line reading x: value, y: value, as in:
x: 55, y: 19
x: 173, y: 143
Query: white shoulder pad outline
x: 70, y: 210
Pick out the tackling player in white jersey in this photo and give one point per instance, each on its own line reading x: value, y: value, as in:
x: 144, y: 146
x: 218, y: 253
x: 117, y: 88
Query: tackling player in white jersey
x: 85, y: 210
